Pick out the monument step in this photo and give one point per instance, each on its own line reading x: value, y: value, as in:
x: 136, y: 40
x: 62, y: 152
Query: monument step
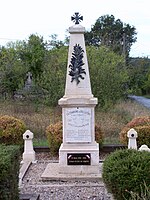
x: 53, y: 172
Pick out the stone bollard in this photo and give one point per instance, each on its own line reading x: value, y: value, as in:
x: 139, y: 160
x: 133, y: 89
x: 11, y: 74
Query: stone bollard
x: 144, y: 147
x: 132, y: 135
x: 29, y: 153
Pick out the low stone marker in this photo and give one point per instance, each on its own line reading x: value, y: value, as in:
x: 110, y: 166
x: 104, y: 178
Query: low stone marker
x: 29, y: 153
x: 132, y: 135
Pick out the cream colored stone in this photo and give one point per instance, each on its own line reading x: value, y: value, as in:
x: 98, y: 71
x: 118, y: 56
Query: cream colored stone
x: 78, y: 106
x: 52, y: 172
x: 29, y: 153
x: 93, y: 149
x: 78, y: 115
x: 132, y: 135
x: 83, y: 89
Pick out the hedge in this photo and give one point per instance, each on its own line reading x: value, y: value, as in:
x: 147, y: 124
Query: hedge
x: 127, y: 171
x: 9, y: 172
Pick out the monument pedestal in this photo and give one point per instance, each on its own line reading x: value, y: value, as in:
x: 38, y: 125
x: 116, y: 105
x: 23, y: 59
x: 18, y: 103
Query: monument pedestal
x: 79, y: 153
x: 79, y: 159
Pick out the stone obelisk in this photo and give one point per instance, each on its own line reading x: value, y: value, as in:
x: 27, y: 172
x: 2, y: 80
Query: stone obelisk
x: 79, y: 152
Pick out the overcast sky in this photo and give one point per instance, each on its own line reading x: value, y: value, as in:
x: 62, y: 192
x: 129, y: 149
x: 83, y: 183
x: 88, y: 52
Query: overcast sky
x: 21, y: 18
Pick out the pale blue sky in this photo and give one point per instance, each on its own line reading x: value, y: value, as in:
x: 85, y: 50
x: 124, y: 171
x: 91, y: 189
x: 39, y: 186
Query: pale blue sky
x: 20, y: 18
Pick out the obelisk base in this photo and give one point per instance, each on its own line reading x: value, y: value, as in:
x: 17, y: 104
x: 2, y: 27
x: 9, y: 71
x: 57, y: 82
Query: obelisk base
x: 79, y: 159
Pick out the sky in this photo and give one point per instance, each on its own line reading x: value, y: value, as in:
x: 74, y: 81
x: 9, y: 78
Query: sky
x: 21, y: 18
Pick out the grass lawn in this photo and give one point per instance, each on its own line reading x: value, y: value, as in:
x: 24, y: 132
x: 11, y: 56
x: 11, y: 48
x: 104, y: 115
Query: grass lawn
x: 37, y: 117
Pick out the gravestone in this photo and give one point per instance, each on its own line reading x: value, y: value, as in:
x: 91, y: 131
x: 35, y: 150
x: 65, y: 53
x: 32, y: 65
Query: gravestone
x: 21, y: 93
x: 79, y: 153
x: 28, y: 83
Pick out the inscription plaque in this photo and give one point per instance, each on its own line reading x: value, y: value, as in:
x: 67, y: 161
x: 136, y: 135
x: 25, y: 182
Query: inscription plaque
x: 79, y: 159
x: 78, y: 125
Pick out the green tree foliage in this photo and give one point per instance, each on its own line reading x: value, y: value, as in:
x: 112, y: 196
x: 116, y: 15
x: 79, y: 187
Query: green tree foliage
x: 108, y: 75
x: 107, y: 70
x: 54, y: 42
x: 126, y: 171
x: 11, y: 69
x: 52, y: 80
x: 48, y: 66
x: 146, y: 85
x: 33, y: 55
x: 139, y: 72
x: 9, y: 172
x: 16, y: 59
x: 112, y: 33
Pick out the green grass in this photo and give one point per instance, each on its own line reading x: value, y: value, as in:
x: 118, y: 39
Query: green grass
x: 40, y: 142
x: 37, y: 117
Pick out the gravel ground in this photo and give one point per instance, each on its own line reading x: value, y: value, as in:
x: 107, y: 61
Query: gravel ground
x: 60, y: 190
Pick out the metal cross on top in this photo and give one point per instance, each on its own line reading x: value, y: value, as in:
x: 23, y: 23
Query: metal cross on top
x: 76, y: 18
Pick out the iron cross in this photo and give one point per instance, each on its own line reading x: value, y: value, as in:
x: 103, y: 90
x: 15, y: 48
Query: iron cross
x: 76, y: 18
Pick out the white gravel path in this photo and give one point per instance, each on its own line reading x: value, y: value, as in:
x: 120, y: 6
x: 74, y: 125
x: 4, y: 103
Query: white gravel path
x: 60, y: 190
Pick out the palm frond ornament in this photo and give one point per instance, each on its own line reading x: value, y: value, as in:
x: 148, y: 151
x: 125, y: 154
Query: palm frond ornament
x: 77, y: 71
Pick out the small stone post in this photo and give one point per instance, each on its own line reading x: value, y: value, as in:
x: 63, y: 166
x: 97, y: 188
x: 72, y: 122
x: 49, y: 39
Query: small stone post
x: 29, y: 153
x: 132, y: 135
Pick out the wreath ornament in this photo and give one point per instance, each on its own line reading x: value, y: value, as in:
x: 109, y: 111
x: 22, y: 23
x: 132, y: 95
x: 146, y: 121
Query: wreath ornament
x: 76, y: 63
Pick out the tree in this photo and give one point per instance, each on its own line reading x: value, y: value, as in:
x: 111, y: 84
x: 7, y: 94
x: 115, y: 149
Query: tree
x: 139, y: 70
x: 146, y: 85
x: 33, y: 55
x: 11, y: 69
x: 107, y: 70
x: 52, y: 80
x: 113, y: 34
x: 108, y: 75
x: 54, y: 42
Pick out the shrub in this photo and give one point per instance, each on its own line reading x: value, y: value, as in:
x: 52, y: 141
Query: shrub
x: 142, y: 126
x: 139, y: 121
x: 145, y: 194
x: 54, y: 136
x: 11, y: 130
x: 99, y: 135
x: 54, y: 133
x: 125, y: 171
x: 9, y: 172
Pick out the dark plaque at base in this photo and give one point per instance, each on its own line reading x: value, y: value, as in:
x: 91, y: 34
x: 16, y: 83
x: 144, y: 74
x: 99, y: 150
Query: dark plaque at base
x: 79, y: 159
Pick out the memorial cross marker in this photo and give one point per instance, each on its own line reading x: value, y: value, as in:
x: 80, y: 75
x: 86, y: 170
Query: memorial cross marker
x: 76, y: 18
